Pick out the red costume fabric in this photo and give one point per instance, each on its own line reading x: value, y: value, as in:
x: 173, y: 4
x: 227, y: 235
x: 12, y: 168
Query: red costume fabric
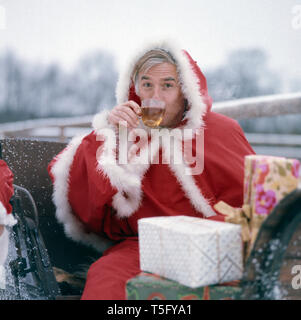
x: 99, y: 200
x: 6, y: 192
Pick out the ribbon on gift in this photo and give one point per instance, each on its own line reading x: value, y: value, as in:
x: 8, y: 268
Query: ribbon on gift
x: 239, y: 216
x: 250, y: 223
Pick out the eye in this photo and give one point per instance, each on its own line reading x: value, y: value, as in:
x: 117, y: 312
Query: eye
x: 147, y: 84
x: 168, y: 85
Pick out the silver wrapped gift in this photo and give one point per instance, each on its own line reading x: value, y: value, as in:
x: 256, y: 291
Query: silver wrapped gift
x: 193, y: 251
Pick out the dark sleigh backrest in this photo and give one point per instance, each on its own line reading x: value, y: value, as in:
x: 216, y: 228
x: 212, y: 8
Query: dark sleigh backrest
x: 28, y: 160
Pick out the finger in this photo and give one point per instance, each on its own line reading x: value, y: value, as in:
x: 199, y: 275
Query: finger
x: 124, y: 116
x: 129, y: 111
x: 119, y: 121
x: 115, y: 120
x: 134, y: 106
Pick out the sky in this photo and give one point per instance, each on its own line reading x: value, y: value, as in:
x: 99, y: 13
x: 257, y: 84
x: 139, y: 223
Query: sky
x: 64, y: 30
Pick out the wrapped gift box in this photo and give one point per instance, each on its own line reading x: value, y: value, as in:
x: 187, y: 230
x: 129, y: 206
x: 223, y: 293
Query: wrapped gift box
x: 267, y: 180
x: 192, y: 251
x: 148, y: 286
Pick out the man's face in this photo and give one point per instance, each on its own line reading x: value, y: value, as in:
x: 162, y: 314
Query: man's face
x: 161, y: 82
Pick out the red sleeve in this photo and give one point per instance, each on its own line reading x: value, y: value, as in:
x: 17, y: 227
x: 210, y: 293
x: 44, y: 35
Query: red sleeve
x: 6, y: 192
x: 90, y: 190
x: 80, y: 189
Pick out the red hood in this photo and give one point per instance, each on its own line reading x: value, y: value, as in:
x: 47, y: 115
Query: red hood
x: 202, y: 81
x: 193, y: 82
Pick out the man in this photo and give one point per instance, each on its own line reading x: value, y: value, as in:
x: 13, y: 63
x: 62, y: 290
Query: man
x: 6, y: 218
x: 100, y: 198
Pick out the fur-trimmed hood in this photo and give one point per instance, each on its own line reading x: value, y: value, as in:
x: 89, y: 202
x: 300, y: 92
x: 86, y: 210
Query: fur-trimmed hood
x: 192, y: 80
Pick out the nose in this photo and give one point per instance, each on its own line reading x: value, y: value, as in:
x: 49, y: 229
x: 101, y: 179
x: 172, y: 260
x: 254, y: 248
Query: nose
x: 156, y: 93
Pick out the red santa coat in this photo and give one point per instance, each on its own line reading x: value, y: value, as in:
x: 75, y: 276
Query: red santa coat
x: 6, y: 218
x: 100, y: 200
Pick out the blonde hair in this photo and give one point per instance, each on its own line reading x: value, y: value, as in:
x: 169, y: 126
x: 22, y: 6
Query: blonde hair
x: 148, y: 60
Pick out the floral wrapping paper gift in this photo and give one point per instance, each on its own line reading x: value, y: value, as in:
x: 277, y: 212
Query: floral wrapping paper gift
x: 267, y: 180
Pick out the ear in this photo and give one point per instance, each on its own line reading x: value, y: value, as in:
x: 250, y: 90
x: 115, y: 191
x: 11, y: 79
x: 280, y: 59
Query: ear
x: 186, y: 108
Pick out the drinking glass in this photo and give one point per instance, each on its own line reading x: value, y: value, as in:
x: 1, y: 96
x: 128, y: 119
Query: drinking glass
x: 152, y: 112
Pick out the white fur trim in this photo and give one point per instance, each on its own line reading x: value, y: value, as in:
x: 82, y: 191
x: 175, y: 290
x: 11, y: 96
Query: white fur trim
x: 126, y: 178
x: 100, y: 120
x: 185, y: 178
x: 6, y: 219
x: 187, y: 77
x: 73, y: 227
x: 4, y: 240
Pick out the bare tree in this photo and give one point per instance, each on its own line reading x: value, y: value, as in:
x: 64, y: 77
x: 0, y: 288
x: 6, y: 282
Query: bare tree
x: 36, y: 90
x: 245, y: 73
x: 95, y: 79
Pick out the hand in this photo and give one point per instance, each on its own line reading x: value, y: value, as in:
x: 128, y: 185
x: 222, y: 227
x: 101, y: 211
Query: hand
x: 128, y: 111
x: 1, y: 229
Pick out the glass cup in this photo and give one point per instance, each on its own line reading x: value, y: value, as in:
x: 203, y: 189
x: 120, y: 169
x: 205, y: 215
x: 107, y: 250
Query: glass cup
x: 152, y: 112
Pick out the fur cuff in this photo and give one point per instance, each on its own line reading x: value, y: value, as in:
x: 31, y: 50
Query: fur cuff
x: 6, y: 219
x: 100, y: 121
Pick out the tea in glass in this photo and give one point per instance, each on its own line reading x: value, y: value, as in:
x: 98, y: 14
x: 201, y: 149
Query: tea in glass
x: 152, y: 112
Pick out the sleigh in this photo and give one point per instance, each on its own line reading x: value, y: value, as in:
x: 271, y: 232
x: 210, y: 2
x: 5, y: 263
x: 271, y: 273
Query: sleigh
x: 45, y: 263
